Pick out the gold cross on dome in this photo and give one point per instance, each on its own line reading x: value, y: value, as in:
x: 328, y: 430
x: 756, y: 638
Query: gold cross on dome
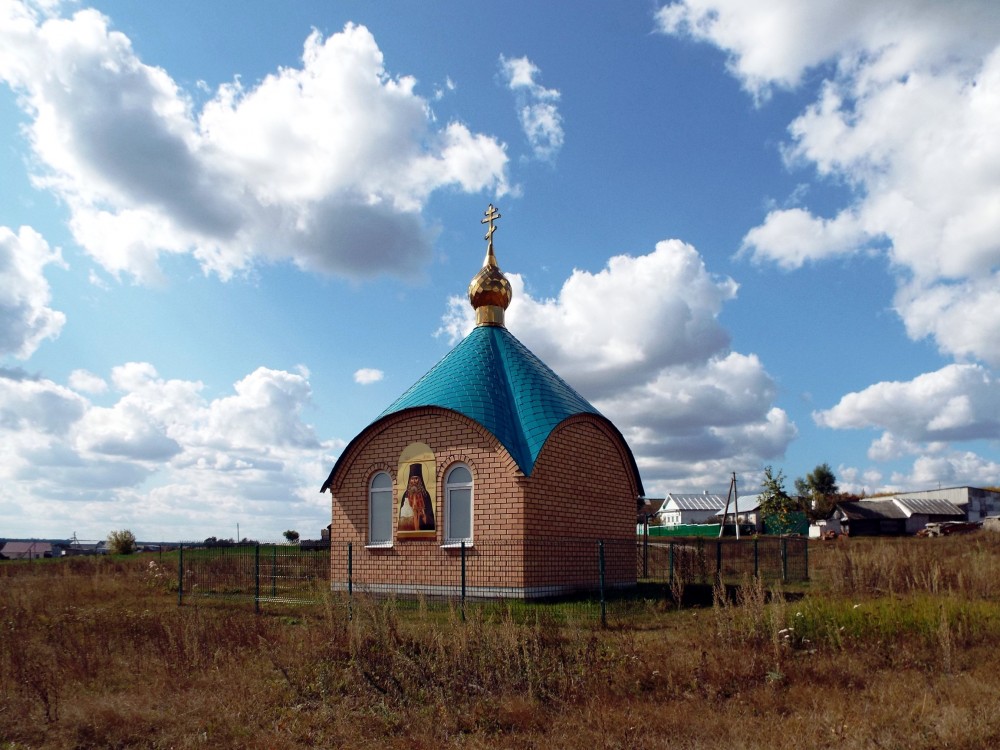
x: 492, y: 214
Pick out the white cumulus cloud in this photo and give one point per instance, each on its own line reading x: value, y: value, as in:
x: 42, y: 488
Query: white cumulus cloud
x: 162, y: 459
x: 934, y: 466
x: 957, y: 402
x: 85, y: 381
x: 368, y: 375
x: 963, y: 317
x: 921, y: 420
x: 775, y: 42
x: 906, y: 117
x: 326, y: 165
x: 641, y: 340
x: 951, y: 469
x: 537, y: 111
x: 25, y: 316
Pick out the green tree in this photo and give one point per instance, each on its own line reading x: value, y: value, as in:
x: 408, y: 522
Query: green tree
x: 776, y: 505
x: 802, y: 488
x: 775, y: 502
x: 822, y: 481
x: 292, y: 536
x: 121, y: 542
x: 820, y: 486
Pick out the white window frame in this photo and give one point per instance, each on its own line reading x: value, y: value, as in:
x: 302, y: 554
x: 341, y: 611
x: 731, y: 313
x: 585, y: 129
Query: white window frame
x: 449, y: 486
x: 384, y: 496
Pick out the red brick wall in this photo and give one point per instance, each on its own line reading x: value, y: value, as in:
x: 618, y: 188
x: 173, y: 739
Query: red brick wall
x: 582, y: 486
x: 498, y: 509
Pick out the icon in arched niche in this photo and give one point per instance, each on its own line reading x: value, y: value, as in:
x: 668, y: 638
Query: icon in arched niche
x: 417, y: 476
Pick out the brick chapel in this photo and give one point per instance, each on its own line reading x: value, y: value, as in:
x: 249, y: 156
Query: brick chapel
x: 490, y: 461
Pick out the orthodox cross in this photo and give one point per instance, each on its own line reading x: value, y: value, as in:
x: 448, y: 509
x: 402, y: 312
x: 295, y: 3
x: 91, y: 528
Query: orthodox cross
x: 492, y: 214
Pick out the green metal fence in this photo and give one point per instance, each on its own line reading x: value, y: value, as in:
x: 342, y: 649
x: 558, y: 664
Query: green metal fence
x: 795, y: 522
x: 699, y: 529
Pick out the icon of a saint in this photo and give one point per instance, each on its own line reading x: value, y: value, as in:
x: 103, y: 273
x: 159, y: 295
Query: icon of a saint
x: 416, y: 512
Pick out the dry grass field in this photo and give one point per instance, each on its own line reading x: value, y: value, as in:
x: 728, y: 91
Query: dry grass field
x: 892, y: 644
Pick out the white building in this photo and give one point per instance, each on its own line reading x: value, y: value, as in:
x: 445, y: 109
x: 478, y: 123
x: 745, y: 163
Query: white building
x: 680, y: 509
x: 974, y: 502
x: 746, y: 511
x: 890, y: 516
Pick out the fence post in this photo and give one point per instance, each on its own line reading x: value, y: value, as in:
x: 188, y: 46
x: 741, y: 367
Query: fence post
x: 600, y: 563
x: 180, y: 575
x: 274, y: 568
x: 705, y: 577
x: 784, y: 559
x: 672, y: 543
x: 701, y: 558
x: 256, y: 578
x: 645, y: 548
x: 718, y: 560
x: 350, y: 580
x: 805, y: 558
x: 756, y: 558
x: 463, y: 581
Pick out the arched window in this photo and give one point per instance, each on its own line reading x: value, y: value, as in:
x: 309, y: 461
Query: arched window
x: 458, y: 505
x: 380, y: 510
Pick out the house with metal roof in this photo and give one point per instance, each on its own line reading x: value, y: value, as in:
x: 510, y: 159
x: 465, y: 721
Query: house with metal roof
x: 894, y: 516
x: 470, y: 461
x: 977, y: 503
x: 744, y: 510
x: 26, y: 550
x: 680, y: 508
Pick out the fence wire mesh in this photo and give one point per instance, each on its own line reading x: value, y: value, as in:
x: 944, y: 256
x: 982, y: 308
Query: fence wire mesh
x: 588, y: 578
x: 263, y: 572
x: 701, y: 560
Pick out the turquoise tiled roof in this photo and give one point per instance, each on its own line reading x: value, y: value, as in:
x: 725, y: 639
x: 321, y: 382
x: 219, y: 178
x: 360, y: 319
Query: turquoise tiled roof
x: 493, y: 379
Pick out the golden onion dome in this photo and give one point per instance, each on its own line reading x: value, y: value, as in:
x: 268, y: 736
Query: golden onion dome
x: 489, y: 291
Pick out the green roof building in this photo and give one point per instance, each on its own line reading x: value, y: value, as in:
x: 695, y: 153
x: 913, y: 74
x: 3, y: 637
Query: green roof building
x: 490, y: 456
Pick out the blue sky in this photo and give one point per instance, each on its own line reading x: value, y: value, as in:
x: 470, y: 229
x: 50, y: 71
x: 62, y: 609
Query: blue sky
x: 230, y: 236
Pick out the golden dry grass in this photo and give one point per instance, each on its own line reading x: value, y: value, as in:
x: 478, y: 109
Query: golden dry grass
x: 890, y: 645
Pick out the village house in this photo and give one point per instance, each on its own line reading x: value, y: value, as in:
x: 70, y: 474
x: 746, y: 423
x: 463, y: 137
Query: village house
x: 460, y: 476
x: 894, y: 516
x: 745, y: 511
x: 678, y: 509
x: 30, y: 550
x: 976, y: 503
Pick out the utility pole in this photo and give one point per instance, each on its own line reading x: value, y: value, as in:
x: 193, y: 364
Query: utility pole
x: 736, y: 509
